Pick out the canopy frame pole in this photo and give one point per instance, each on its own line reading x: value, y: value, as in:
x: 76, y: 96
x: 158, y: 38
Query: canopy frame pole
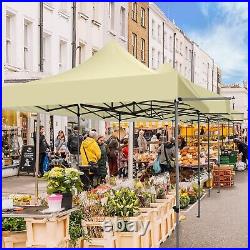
x: 177, y: 210
x: 218, y: 125
x: 78, y: 139
x: 172, y: 129
x: 119, y: 134
x: 208, y: 159
x: 37, y: 154
x: 222, y: 134
x: 199, y: 169
x: 130, y: 150
x: 228, y: 128
x: 233, y: 135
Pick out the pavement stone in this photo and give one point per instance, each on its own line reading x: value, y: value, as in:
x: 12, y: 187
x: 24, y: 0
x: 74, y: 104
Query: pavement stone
x: 223, y: 222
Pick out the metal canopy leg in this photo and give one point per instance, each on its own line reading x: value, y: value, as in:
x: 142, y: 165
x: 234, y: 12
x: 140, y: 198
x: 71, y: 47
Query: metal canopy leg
x: 199, y: 169
x: 130, y: 150
x: 218, y: 155
x: 37, y: 155
x: 177, y: 210
x: 208, y: 159
x: 78, y: 141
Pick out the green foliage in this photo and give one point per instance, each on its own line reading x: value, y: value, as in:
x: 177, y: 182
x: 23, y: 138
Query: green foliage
x: 63, y: 180
x: 76, y: 230
x: 123, y: 202
x: 13, y: 224
x: 145, y: 199
x: 184, y: 200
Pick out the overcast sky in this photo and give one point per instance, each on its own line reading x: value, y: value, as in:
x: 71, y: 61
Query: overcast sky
x: 220, y: 28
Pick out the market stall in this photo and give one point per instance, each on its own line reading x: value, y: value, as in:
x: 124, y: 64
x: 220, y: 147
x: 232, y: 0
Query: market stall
x: 117, y: 68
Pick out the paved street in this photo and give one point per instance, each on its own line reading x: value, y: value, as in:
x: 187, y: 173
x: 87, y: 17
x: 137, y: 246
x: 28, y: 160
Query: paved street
x: 223, y: 222
x: 22, y: 185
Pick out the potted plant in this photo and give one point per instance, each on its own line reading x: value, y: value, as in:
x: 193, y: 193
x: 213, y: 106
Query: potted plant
x: 14, y: 232
x: 64, y: 181
x: 192, y: 196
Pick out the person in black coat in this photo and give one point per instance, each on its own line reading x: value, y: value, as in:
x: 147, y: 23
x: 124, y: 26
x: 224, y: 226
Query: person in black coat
x: 43, y: 148
x: 243, y: 148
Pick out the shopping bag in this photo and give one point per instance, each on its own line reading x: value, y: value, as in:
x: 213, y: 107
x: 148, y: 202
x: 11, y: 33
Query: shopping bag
x: 241, y: 166
x: 46, y: 163
x: 156, y: 166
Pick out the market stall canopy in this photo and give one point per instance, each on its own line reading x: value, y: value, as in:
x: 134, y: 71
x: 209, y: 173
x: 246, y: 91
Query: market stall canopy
x: 111, y: 82
x: 214, y: 106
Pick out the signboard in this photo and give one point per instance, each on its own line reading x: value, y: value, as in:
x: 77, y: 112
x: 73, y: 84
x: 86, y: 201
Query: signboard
x: 28, y: 159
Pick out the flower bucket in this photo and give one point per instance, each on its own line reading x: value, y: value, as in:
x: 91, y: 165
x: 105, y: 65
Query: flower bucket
x: 55, y: 202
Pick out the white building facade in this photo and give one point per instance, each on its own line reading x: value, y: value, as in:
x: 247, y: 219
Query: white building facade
x: 169, y: 44
x: 240, y: 103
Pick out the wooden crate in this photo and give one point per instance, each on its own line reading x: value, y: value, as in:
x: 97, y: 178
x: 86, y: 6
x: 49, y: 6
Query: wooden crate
x: 108, y: 240
x: 147, y: 238
x: 48, y: 233
x: 14, y: 239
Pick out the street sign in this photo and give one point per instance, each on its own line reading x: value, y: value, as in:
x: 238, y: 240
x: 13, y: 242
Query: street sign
x: 27, y: 163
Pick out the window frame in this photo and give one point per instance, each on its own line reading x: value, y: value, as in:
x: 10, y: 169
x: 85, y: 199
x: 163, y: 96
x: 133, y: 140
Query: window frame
x: 143, y: 17
x: 134, y: 11
x: 143, y: 50
x: 134, y: 45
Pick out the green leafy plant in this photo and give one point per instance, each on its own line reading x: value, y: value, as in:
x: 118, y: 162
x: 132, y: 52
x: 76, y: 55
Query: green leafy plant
x: 145, y: 199
x: 196, y: 190
x: 63, y: 180
x: 193, y: 197
x: 13, y: 224
x: 123, y: 202
x: 160, y: 193
x: 184, y: 200
x: 76, y: 230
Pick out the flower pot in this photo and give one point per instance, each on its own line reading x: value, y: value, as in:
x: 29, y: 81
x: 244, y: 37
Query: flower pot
x: 67, y: 201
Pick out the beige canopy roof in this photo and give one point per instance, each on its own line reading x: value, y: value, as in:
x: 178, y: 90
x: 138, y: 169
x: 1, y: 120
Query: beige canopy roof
x: 110, y: 82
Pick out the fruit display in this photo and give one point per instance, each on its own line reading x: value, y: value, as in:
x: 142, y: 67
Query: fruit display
x: 145, y: 157
x: 21, y: 200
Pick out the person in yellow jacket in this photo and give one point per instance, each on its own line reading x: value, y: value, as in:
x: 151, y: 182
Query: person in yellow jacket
x: 92, y: 151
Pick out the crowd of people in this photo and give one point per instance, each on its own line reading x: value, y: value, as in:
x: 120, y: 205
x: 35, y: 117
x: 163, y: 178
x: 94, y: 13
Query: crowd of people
x: 99, y: 157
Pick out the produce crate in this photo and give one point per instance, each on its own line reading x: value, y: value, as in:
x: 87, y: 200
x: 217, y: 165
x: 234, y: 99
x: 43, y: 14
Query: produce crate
x: 128, y: 240
x: 14, y: 239
x: 48, y: 233
x: 147, y: 238
x: 106, y: 240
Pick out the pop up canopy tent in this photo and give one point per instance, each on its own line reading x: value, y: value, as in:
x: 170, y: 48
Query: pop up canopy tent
x: 110, y: 85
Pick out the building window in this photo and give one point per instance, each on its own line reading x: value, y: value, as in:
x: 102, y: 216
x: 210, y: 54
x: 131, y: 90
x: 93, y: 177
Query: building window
x: 9, y: 38
x: 159, y: 33
x: 171, y: 43
x: 165, y: 40
x: 112, y: 15
x: 142, y: 17
x: 27, y: 45
x: 134, y: 45
x: 159, y: 59
x: 153, y: 58
x: 46, y: 52
x: 177, y: 45
x: 134, y: 11
x: 94, y: 51
x: 81, y: 53
x: 123, y: 21
x: 142, y: 50
x: 190, y: 54
x: 64, y: 7
x: 180, y: 68
x: 153, y: 28
x: 62, y: 56
x: 186, y: 52
x: 95, y: 11
x: 181, y: 48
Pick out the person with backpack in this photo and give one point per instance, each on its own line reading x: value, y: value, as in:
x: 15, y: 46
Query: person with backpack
x: 91, y: 154
x: 102, y: 163
x: 43, y: 148
x: 167, y: 155
x: 74, y: 147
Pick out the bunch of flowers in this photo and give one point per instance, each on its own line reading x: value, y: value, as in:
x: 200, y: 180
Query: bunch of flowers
x: 63, y: 180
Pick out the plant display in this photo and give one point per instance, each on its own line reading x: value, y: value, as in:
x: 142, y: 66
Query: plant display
x: 63, y: 180
x: 196, y: 190
x: 13, y: 224
x: 123, y: 202
x: 193, y: 197
x: 145, y: 199
x: 160, y: 193
x: 76, y: 230
x: 184, y: 200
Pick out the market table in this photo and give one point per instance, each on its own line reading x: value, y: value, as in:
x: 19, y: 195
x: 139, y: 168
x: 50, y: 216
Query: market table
x: 44, y: 229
